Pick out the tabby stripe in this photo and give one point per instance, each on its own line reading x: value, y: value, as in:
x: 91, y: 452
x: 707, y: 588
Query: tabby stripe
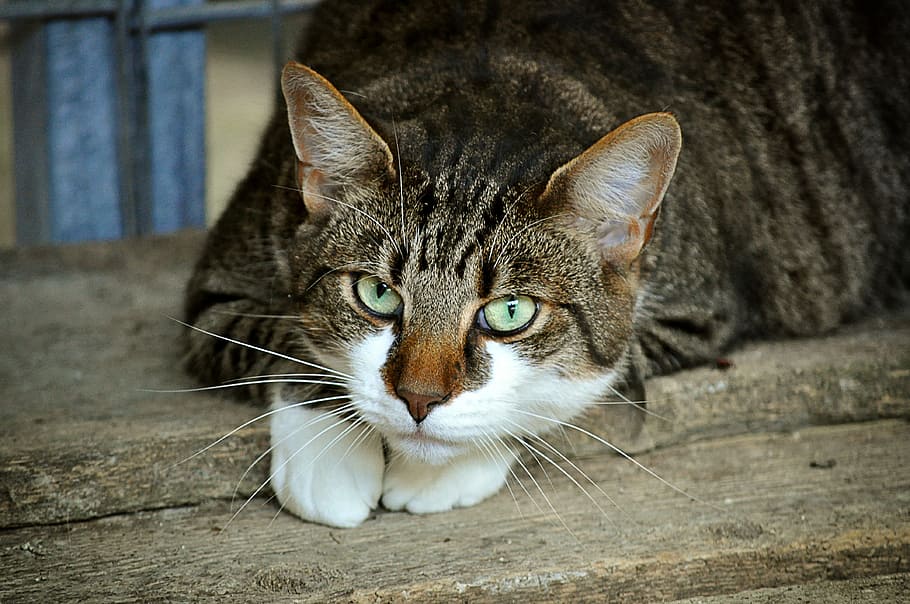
x: 587, y: 335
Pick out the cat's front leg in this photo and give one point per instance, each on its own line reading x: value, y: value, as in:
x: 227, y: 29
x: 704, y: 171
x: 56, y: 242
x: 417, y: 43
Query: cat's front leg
x: 423, y: 488
x: 325, y: 468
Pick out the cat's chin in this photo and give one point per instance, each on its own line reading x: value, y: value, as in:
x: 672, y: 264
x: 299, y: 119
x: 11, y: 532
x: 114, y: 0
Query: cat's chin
x: 419, y: 446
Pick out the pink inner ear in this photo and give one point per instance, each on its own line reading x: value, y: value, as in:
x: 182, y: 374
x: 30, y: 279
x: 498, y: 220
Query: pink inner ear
x: 622, y: 240
x: 613, y: 234
x: 310, y: 181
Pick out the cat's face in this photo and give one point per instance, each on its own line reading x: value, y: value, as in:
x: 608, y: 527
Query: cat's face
x: 466, y: 314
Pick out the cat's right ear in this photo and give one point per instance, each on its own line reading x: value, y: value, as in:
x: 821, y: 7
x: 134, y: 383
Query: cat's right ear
x: 614, y: 189
x: 334, y: 144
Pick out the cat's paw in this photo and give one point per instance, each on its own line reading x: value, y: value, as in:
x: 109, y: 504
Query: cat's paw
x: 422, y: 488
x: 322, y: 470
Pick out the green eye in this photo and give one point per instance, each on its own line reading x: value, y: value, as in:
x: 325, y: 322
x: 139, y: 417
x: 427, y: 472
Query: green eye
x: 507, y: 315
x: 378, y: 296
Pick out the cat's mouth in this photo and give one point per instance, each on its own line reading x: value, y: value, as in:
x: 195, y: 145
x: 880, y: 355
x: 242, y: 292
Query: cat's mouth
x: 420, y: 436
x: 430, y: 448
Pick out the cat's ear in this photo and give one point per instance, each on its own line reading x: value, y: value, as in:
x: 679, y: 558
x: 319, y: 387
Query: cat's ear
x: 334, y: 144
x: 614, y: 189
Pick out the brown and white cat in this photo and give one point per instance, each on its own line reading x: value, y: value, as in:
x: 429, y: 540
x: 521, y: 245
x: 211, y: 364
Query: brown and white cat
x: 452, y: 243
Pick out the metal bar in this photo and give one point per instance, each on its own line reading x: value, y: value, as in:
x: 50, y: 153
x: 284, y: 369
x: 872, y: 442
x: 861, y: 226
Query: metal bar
x: 174, y: 17
x: 139, y: 126
x: 126, y: 110
x: 29, y: 88
x: 184, y: 16
x: 32, y: 9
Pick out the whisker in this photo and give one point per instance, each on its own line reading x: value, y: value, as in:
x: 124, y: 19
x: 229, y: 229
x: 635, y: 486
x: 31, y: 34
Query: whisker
x: 505, y: 215
x: 400, y: 176
x: 568, y: 461
x: 294, y: 432
x: 279, y: 375
x: 626, y: 401
x: 235, y: 313
x: 260, y: 349
x: 623, y: 454
x: 241, y: 384
x: 315, y: 458
x: 484, y: 446
x: 329, y: 272
x: 513, y: 237
x: 541, y: 491
x: 352, y: 207
x: 286, y: 462
x: 535, y: 451
x: 254, y: 420
x: 364, y: 434
x: 490, y: 440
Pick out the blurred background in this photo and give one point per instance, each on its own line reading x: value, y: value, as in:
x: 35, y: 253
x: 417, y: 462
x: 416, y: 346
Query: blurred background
x: 239, y: 95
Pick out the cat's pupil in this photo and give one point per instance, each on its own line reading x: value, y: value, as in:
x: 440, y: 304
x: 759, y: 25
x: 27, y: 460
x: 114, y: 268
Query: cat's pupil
x: 381, y: 289
x: 512, y: 306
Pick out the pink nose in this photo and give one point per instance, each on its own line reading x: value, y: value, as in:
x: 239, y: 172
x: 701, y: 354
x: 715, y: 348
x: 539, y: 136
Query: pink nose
x: 420, y: 404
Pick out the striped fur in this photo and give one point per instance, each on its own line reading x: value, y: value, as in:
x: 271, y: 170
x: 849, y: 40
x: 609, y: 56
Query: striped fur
x: 788, y: 215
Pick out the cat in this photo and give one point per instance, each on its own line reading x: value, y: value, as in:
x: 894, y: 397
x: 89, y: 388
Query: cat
x: 460, y: 229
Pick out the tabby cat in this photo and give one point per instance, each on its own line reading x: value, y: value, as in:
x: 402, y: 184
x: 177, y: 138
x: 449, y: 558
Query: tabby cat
x: 458, y: 234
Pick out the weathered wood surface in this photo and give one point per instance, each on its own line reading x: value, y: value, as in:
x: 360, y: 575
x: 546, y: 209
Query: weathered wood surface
x: 770, y: 519
x: 93, y: 507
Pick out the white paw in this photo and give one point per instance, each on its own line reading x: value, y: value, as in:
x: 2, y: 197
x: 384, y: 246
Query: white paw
x: 323, y: 470
x: 422, y: 488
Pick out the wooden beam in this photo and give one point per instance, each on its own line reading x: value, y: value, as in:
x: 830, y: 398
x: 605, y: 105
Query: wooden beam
x: 95, y: 505
x: 778, y: 521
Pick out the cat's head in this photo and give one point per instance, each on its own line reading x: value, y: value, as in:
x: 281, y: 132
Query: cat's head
x: 467, y: 311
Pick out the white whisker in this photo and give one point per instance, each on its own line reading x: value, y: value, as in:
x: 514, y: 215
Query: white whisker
x: 286, y: 462
x: 352, y: 207
x: 485, y: 445
x: 565, y: 459
x: 254, y: 420
x: 505, y: 215
x: 513, y: 237
x: 541, y: 491
x: 312, y: 461
x: 537, y: 452
x: 241, y: 384
x: 282, y: 375
x: 334, y: 270
x: 400, y: 177
x: 260, y: 349
x: 622, y: 453
x: 235, y: 313
x: 626, y: 401
x: 293, y: 432
x: 358, y: 440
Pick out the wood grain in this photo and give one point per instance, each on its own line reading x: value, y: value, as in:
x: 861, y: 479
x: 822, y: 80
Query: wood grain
x: 768, y: 518
x: 797, y: 454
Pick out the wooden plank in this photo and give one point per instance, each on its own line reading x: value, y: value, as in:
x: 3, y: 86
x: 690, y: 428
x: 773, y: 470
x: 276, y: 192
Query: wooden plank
x: 886, y: 589
x: 780, y: 519
x: 86, y: 329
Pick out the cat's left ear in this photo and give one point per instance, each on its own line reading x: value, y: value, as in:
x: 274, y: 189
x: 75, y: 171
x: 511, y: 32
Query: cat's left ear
x: 614, y: 189
x: 334, y: 144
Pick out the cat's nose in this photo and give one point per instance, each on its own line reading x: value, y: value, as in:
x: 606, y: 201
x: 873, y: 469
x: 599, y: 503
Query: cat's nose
x: 420, y: 404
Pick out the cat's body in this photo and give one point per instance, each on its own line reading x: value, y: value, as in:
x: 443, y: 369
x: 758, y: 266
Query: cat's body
x: 788, y: 214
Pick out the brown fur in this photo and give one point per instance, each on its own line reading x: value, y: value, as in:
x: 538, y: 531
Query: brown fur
x: 788, y: 214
